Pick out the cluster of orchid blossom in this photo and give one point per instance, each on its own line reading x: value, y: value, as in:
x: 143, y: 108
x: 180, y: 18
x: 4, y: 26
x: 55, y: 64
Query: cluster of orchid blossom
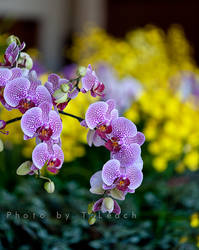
x: 41, y: 106
x: 122, y: 174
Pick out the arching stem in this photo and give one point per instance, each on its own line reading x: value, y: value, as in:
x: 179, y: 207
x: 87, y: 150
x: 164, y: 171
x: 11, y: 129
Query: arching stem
x: 13, y: 120
x: 61, y: 112
x: 74, y: 116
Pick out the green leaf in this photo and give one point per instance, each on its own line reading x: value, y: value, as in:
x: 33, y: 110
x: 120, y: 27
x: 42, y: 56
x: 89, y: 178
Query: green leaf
x: 24, y: 168
x: 90, y: 208
x: 1, y: 146
x: 49, y: 187
x: 92, y: 220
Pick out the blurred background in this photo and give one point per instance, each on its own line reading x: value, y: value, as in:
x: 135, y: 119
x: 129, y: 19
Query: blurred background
x: 147, y: 53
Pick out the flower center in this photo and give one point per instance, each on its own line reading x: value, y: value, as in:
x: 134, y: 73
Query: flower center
x: 113, y: 144
x: 44, y: 133
x: 122, y: 183
x: 103, y: 129
x: 53, y: 164
x: 2, y: 100
x: 25, y: 104
x: 99, y: 89
x: 1, y: 91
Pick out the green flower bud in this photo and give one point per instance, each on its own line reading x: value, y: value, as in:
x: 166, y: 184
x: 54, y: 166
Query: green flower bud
x: 116, y: 194
x: 109, y: 203
x: 65, y: 88
x: 1, y: 146
x: 90, y: 208
x: 24, y: 168
x: 25, y: 60
x: 12, y: 39
x: 92, y: 220
x: 49, y: 187
x: 82, y: 71
x: 60, y: 96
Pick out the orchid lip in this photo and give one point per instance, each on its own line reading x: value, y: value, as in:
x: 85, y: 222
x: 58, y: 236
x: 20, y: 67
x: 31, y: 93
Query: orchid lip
x: 113, y: 144
x: 122, y: 183
x: 25, y: 104
x: 44, y: 133
x: 53, y: 165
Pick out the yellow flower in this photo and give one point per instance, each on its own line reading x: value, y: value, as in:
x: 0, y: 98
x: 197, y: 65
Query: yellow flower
x: 157, y: 60
x: 197, y: 241
x: 183, y: 239
x: 160, y: 164
x: 194, y: 220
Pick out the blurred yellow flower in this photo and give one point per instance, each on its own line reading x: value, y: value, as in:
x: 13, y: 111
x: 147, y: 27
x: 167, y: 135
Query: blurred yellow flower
x: 157, y: 60
x: 194, y: 220
x: 183, y: 239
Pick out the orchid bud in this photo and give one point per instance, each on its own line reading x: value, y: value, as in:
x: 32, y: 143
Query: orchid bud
x: 82, y: 71
x: 12, y: 39
x: 25, y: 60
x: 1, y: 146
x: 49, y: 187
x: 24, y: 168
x: 65, y: 88
x: 60, y: 96
x: 92, y: 219
x: 90, y: 208
x: 109, y: 203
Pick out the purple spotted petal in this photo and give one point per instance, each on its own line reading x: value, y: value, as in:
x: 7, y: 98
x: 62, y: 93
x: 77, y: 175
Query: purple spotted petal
x: 139, y: 138
x: 11, y: 53
x: 123, y: 127
x: 90, y: 136
x: 110, y: 171
x: 117, y: 209
x: 40, y: 155
x: 16, y: 90
x: 16, y: 72
x: 88, y: 81
x: 97, y: 140
x: 31, y: 121
x: 135, y: 177
x: 114, y: 114
x: 5, y: 75
x: 55, y: 124
x: 97, y: 205
x: 96, y: 183
x: 58, y: 153
x: 54, y: 79
x: 34, y: 82
x: 96, y: 114
x: 43, y: 95
x: 127, y: 154
x: 46, y: 108
x: 111, y: 105
x: 138, y: 163
x: 49, y: 87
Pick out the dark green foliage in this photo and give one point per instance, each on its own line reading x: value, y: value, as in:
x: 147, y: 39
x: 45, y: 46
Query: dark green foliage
x: 158, y: 214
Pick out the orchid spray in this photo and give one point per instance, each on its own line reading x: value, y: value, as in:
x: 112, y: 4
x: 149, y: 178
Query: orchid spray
x: 41, y: 107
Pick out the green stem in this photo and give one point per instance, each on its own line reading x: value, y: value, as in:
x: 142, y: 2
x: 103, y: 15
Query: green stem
x: 14, y: 120
x: 74, y: 116
x: 61, y: 112
x: 43, y: 177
